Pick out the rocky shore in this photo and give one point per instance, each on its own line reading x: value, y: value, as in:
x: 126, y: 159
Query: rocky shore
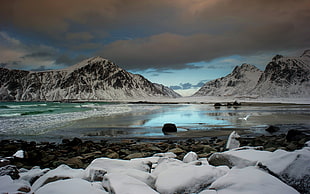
x: 264, y: 164
x: 78, y: 154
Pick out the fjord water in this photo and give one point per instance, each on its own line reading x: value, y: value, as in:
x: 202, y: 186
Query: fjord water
x: 54, y: 121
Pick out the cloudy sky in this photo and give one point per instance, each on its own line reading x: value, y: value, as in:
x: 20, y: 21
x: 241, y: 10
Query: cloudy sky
x: 178, y: 43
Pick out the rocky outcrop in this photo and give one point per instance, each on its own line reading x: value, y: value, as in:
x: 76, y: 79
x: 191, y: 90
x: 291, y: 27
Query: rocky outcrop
x: 92, y: 79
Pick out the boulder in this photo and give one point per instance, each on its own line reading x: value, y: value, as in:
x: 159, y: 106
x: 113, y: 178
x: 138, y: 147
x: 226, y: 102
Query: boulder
x: 232, y: 141
x: 169, y: 128
x: 241, y: 157
x: 121, y: 183
x: 272, y: 129
x: 295, y: 135
x: 10, y: 170
x: 60, y: 173
x: 249, y: 180
x: 190, y: 157
x: 8, y: 185
x: 76, y: 186
x: 187, y: 178
x: 293, y: 168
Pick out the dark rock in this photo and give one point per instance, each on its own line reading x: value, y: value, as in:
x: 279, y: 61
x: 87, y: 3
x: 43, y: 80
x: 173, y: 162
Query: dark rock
x: 4, y: 162
x: 229, y: 104
x: 169, y: 127
x: 74, y: 162
x: 272, y: 129
x: 217, y: 104
x: 295, y: 135
x: 10, y: 170
x: 236, y: 103
x: 75, y: 142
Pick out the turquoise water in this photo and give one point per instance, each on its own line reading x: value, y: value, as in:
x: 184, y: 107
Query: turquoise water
x: 35, y: 118
x: 53, y: 121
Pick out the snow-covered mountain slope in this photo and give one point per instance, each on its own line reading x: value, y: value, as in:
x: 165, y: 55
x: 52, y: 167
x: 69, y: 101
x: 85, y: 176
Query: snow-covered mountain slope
x: 240, y: 82
x: 287, y: 77
x: 92, y: 79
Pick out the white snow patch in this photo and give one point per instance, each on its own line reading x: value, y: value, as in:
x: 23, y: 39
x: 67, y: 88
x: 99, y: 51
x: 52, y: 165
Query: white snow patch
x: 70, y: 186
x: 250, y: 180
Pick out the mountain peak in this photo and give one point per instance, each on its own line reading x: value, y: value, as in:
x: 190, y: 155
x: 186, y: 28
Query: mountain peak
x: 89, y: 61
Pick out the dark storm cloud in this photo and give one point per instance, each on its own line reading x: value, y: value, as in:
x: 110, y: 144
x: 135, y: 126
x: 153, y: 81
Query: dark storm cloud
x: 39, y: 55
x: 143, y: 34
x: 68, y: 61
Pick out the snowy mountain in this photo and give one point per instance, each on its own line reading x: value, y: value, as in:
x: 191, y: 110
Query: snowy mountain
x: 287, y: 77
x: 92, y: 79
x: 240, y: 82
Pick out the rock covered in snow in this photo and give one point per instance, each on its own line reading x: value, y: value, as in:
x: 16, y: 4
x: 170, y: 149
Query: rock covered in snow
x: 120, y: 183
x: 232, y: 141
x: 19, y: 154
x: 60, y: 173
x: 249, y: 180
x: 8, y: 185
x: 292, y: 168
x: 252, y: 171
x: 190, y: 157
x: 70, y: 186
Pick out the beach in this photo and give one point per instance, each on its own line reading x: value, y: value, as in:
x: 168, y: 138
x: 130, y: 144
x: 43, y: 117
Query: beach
x: 116, y: 142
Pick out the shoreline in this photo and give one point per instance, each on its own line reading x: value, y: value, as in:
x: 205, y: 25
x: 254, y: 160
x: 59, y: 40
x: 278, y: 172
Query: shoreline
x: 78, y: 153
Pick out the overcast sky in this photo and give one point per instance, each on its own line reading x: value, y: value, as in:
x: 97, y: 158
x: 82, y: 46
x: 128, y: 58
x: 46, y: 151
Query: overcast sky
x: 178, y: 43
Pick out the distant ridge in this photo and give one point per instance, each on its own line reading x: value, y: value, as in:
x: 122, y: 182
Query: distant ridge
x: 95, y: 78
x: 287, y: 77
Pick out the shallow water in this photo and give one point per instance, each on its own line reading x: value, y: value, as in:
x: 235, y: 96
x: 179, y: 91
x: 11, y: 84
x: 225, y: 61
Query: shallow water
x: 96, y: 121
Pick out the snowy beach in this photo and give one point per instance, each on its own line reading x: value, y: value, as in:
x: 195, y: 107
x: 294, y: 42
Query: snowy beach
x: 120, y: 148
x: 146, y: 169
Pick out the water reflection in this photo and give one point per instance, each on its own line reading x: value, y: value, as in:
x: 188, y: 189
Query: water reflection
x: 187, y: 116
x: 196, y: 118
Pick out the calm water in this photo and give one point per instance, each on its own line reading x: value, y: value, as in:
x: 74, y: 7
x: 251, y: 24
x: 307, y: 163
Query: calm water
x: 55, y: 121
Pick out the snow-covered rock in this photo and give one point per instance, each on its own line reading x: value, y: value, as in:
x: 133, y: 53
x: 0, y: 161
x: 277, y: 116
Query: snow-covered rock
x: 8, y: 185
x: 33, y: 174
x: 187, y: 178
x: 19, y: 154
x: 100, y: 166
x: 232, y: 141
x: 92, y: 79
x: 190, y: 157
x: 251, y: 171
x: 236, y: 157
x: 249, y: 180
x: 70, y: 186
x: 292, y: 167
x: 60, y: 173
x: 124, y: 184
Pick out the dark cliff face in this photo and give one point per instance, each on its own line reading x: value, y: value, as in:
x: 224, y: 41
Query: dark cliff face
x: 285, y: 71
x: 92, y: 79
